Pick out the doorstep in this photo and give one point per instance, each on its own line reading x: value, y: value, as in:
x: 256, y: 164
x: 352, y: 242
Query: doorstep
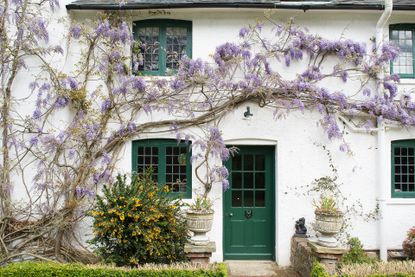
x: 239, y: 268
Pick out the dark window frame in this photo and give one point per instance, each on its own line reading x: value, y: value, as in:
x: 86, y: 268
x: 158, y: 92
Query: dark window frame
x: 395, y: 144
x: 404, y: 27
x: 163, y: 24
x: 162, y: 144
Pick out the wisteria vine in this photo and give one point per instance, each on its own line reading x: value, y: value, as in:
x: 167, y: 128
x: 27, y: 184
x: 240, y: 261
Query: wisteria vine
x: 82, y: 118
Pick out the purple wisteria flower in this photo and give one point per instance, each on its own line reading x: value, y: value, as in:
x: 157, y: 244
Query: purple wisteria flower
x: 106, y: 105
x: 75, y: 31
x: 366, y: 92
x: 33, y: 141
x: 138, y: 83
x: 82, y: 191
x: 37, y: 114
x: 226, y: 52
x: 106, y: 159
x: 243, y: 32
x: 71, y: 154
x: 344, y: 147
x: 330, y: 125
x: 61, y: 102
x: 73, y: 84
x: 120, y: 33
x: 216, y: 144
x: 392, y: 88
x: 104, y: 177
x: 103, y: 28
x: 54, y: 4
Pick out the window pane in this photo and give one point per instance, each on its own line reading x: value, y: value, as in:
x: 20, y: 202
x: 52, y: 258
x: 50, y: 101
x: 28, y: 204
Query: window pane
x: 237, y: 162
x: 260, y: 198
x: 248, y: 198
x: 260, y: 162
x: 248, y: 162
x: 176, y: 168
x: 147, y: 157
x: 149, y: 39
x: 170, y: 164
x: 404, y: 169
x: 236, y: 198
x: 236, y: 180
x: 248, y: 180
x: 259, y: 180
x: 404, y: 64
x: 176, y: 41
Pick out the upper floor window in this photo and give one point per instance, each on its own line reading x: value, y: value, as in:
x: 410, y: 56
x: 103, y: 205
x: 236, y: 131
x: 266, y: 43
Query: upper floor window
x: 162, y: 43
x: 170, y: 162
x: 403, y: 35
x: 403, y: 183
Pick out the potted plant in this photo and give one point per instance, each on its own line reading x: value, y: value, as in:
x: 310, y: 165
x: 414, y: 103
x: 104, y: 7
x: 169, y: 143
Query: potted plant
x: 329, y: 221
x: 199, y: 218
x: 408, y: 244
x: 209, y: 170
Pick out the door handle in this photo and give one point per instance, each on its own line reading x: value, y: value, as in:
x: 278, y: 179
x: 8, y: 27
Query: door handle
x: 230, y: 214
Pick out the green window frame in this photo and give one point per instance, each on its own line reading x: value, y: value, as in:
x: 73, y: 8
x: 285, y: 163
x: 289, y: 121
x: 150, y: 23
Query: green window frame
x: 170, y: 161
x: 403, y: 168
x: 405, y: 40
x: 161, y: 56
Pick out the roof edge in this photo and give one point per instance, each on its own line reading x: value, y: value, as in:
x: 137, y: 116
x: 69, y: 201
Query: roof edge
x: 262, y: 5
x: 167, y: 6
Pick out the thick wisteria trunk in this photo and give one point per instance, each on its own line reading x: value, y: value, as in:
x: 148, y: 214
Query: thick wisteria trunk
x: 8, y: 79
x: 5, y: 169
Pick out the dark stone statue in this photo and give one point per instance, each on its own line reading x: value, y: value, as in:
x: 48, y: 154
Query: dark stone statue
x: 300, y: 229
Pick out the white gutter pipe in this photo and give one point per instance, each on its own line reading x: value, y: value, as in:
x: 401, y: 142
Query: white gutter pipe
x: 382, y: 165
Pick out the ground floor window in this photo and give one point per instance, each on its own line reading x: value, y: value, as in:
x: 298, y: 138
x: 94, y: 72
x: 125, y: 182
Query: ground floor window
x: 403, y: 183
x: 169, y: 160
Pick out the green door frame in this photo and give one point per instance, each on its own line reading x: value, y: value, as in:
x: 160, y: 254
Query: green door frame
x: 271, y: 151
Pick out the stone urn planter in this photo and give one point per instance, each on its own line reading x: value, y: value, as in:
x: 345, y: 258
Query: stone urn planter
x: 328, y: 225
x: 199, y: 222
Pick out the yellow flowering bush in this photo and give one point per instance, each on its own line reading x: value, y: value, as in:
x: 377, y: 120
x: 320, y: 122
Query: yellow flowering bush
x: 138, y: 223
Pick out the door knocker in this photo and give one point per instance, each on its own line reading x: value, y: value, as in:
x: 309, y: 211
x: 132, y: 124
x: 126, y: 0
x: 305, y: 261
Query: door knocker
x: 248, y: 214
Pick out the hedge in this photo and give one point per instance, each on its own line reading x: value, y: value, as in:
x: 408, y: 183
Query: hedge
x: 35, y: 269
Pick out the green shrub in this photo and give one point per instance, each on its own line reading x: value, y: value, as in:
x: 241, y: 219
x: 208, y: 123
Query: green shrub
x: 138, y: 223
x: 408, y: 244
x: 77, y: 270
x: 356, y: 254
x: 318, y: 270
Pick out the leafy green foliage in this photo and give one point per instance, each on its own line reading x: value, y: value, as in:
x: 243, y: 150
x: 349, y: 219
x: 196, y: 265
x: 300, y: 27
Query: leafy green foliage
x: 201, y: 204
x: 318, y: 270
x: 327, y: 205
x: 138, y: 223
x: 408, y: 244
x: 356, y: 254
x: 77, y: 270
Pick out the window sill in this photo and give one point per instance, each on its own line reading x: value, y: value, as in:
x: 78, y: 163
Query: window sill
x: 153, y: 78
x: 400, y: 201
x: 407, y: 81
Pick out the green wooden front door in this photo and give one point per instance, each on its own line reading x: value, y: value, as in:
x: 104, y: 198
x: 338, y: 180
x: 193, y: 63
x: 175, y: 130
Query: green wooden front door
x: 249, y: 205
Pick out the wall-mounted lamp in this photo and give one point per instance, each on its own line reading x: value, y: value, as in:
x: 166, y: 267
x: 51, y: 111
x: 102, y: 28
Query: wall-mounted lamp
x: 247, y: 113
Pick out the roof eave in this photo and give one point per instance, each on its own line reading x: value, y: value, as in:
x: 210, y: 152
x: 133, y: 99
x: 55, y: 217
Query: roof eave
x: 167, y: 6
x: 135, y: 6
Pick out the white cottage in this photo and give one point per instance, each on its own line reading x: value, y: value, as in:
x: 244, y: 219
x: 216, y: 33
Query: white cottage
x: 255, y: 218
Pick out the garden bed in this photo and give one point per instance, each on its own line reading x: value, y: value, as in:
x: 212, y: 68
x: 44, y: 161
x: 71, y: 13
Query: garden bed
x: 377, y: 269
x: 58, y: 269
